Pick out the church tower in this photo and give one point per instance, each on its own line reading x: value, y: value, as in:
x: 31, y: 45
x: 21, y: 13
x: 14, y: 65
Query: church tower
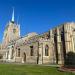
x: 12, y: 31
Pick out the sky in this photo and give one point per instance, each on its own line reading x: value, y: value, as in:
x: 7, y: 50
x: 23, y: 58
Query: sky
x: 36, y: 15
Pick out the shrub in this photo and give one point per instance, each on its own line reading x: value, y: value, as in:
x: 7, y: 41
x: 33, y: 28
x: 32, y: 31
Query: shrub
x: 70, y: 59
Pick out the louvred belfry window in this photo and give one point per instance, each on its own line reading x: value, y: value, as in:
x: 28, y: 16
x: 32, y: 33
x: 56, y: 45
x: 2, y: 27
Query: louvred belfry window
x: 14, y: 30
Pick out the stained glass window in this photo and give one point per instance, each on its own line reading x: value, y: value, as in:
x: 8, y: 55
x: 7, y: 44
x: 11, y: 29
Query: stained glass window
x: 46, y: 50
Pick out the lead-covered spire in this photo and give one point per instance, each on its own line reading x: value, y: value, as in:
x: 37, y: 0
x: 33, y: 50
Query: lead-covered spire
x: 13, y: 16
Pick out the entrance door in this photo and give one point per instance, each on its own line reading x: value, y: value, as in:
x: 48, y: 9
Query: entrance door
x: 24, y: 57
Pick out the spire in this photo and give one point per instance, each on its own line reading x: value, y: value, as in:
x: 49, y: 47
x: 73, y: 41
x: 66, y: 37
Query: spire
x: 13, y: 16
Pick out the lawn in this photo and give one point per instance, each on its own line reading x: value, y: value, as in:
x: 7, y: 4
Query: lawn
x: 14, y: 69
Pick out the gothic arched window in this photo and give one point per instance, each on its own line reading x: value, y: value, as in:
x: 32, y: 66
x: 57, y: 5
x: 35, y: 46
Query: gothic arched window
x: 19, y: 52
x: 31, y: 50
x: 46, y: 50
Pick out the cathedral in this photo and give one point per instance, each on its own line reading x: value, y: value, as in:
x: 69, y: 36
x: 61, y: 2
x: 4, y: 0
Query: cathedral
x: 47, y: 48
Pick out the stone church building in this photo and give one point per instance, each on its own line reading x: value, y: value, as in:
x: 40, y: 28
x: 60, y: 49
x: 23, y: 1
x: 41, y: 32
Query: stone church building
x: 47, y: 48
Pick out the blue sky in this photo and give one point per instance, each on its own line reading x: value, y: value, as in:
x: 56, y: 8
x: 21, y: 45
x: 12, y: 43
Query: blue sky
x: 36, y: 15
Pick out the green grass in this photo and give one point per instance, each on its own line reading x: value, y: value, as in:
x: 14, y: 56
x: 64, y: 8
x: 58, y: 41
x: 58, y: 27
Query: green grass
x: 13, y: 69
